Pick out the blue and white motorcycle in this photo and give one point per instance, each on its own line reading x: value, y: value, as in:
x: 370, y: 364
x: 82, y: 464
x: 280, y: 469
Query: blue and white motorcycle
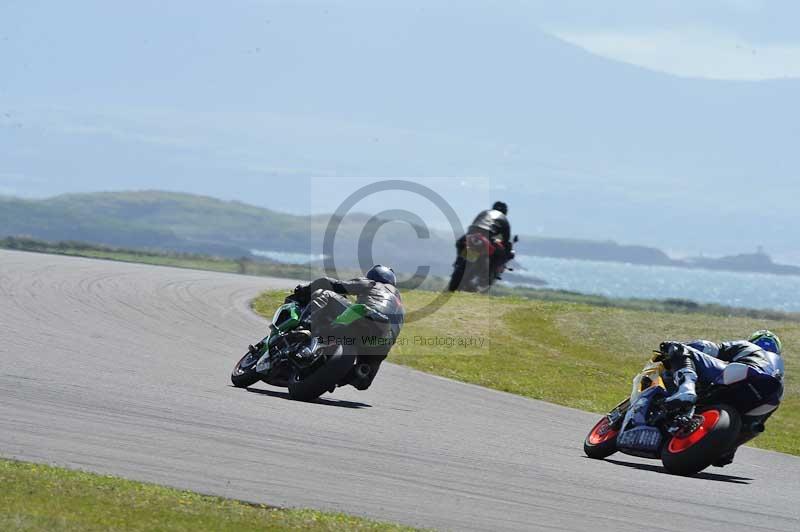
x: 642, y: 426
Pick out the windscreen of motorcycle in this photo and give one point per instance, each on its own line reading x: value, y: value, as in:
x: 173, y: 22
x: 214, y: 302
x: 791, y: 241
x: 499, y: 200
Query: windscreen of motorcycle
x: 650, y: 376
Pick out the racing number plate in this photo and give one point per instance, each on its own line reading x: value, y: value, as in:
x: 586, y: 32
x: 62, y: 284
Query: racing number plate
x: 641, y: 439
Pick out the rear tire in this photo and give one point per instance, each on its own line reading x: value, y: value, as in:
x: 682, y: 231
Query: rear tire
x: 601, y: 441
x: 244, y: 373
x: 687, y: 455
x: 324, y: 379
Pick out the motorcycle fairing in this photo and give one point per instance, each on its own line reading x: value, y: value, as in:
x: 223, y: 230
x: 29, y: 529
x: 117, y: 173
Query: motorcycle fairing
x: 649, y: 377
x: 352, y: 314
x: 287, y: 317
x: 637, y: 438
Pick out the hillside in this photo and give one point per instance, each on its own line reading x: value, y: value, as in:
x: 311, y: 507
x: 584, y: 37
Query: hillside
x: 157, y: 220
x: 187, y: 223
x: 565, y: 248
x: 198, y: 224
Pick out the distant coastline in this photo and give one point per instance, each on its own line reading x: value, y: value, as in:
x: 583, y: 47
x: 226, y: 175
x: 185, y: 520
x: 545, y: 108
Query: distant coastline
x: 186, y: 223
x: 609, y: 251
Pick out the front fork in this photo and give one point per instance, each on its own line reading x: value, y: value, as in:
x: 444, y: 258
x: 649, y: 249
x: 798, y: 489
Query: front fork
x: 618, y: 413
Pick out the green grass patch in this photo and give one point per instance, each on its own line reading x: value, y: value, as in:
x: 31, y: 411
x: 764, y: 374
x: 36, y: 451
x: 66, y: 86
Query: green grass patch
x: 43, y: 498
x: 572, y: 354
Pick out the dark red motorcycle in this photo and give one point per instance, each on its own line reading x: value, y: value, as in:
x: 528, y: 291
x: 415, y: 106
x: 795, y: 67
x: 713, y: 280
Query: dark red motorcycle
x: 477, y: 266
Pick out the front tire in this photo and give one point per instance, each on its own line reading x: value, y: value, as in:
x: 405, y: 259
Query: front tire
x: 244, y: 372
x: 687, y: 454
x: 601, y: 441
x: 326, y: 378
x: 458, y: 275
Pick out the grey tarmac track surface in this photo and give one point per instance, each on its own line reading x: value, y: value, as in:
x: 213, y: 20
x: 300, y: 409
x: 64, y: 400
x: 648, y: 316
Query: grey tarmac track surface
x: 123, y: 369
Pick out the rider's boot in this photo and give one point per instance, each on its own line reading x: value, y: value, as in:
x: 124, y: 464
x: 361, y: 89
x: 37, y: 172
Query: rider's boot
x: 308, y: 315
x: 685, y: 397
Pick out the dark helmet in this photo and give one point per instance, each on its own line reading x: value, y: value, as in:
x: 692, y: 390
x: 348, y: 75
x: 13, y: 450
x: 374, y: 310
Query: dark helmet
x: 500, y: 206
x: 382, y: 274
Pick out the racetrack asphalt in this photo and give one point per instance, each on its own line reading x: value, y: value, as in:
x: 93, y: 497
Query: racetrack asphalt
x: 124, y: 369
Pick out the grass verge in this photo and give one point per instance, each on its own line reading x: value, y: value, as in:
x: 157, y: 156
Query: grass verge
x: 43, y: 498
x: 572, y: 354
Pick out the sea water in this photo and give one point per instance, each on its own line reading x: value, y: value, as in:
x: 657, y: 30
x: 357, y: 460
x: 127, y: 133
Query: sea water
x: 612, y: 279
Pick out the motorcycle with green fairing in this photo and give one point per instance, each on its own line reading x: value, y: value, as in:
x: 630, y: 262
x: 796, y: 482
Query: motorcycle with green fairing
x: 290, y: 357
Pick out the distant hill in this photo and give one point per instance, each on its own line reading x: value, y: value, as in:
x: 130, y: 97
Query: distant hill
x: 197, y: 224
x: 169, y: 221
x: 565, y: 248
x: 745, y: 262
x: 154, y: 219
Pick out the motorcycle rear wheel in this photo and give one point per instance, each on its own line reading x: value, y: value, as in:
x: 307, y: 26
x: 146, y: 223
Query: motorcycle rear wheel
x: 326, y: 378
x: 689, y: 454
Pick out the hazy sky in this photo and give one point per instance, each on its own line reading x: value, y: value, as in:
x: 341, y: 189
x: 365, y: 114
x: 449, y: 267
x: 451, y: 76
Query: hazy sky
x: 250, y: 99
x: 718, y: 39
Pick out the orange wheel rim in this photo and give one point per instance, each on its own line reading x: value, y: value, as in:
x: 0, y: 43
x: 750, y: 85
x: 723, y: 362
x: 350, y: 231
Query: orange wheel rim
x: 602, y: 432
x: 680, y: 444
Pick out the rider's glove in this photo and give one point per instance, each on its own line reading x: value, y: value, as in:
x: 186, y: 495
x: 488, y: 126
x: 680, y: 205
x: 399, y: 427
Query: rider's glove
x: 301, y: 294
x: 668, y: 349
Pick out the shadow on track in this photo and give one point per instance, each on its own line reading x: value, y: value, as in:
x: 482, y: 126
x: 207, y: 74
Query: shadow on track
x: 702, y: 476
x: 320, y: 401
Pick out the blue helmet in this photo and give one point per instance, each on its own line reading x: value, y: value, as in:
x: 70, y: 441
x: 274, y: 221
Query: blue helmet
x: 382, y: 274
x: 768, y: 341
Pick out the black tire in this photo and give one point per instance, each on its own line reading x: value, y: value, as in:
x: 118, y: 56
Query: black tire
x: 485, y: 287
x: 244, y: 373
x: 483, y: 273
x: 324, y: 379
x: 601, y: 441
x: 687, y: 455
x: 474, y: 278
x: 457, y: 275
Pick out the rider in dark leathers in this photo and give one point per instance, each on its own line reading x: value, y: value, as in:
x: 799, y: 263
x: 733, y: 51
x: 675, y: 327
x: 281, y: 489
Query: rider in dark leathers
x: 752, y: 370
x: 372, y: 334
x: 494, y: 225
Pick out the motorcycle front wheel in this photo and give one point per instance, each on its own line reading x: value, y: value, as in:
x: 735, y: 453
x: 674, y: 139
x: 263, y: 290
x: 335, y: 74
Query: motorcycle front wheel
x: 602, y: 440
x: 244, y: 372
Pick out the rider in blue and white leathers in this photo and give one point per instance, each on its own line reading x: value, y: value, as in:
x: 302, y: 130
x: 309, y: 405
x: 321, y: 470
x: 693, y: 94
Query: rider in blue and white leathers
x: 753, y: 372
